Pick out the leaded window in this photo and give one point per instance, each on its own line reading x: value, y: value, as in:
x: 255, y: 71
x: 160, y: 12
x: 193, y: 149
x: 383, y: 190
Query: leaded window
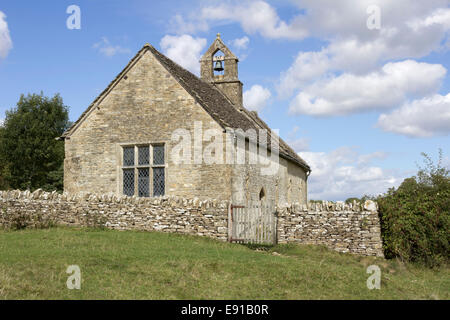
x: 158, y: 182
x: 128, y: 157
x: 158, y: 155
x: 128, y: 182
x: 143, y: 182
x: 144, y: 155
x: 144, y: 170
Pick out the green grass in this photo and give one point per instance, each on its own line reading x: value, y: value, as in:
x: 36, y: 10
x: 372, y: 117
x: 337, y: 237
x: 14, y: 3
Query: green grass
x: 152, y: 265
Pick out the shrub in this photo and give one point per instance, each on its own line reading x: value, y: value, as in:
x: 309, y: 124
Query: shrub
x: 415, y: 218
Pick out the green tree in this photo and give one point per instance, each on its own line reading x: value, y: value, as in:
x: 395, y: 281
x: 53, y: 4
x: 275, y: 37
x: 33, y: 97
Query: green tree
x: 3, y: 165
x: 415, y: 217
x: 32, y: 157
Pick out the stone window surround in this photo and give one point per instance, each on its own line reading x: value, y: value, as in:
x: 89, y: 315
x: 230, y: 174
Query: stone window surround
x: 136, y: 166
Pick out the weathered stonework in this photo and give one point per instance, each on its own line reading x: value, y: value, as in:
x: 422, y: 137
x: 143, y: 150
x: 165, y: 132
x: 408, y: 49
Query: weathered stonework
x: 167, y: 214
x: 344, y: 228
x: 288, y: 185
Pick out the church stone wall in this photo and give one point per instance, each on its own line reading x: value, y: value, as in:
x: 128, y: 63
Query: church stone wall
x: 286, y: 185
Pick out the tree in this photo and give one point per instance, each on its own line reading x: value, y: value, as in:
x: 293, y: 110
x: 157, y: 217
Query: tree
x: 3, y: 166
x: 415, y: 217
x: 32, y: 157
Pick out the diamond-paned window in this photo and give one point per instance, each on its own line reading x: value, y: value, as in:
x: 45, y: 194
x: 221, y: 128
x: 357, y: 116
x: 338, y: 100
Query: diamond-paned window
x: 158, y: 155
x: 128, y: 157
x: 143, y: 182
x: 128, y: 182
x: 144, y: 156
x: 158, y: 182
x: 144, y: 171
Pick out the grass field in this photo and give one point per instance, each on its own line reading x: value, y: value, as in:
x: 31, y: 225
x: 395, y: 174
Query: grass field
x: 151, y: 265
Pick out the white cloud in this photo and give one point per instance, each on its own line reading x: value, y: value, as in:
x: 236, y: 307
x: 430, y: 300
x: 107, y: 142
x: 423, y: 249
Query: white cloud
x: 420, y: 118
x: 358, y: 55
x: 5, y: 38
x: 367, y: 158
x: 349, y: 17
x: 185, y: 50
x: 2, y: 122
x: 256, y: 98
x: 179, y: 25
x: 308, y: 66
x: 253, y: 16
x: 241, y: 43
x: 440, y: 17
x: 344, y: 173
x: 107, y: 49
x: 409, y: 29
x: 299, y: 145
x: 387, y: 88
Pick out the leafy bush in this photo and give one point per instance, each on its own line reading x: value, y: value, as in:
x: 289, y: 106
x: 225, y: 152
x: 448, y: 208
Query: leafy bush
x: 415, y: 218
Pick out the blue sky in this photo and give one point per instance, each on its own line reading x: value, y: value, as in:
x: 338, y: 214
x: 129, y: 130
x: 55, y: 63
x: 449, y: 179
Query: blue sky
x: 359, y: 104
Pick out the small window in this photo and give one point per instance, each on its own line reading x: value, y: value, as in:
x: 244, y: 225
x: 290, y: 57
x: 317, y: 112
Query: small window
x: 150, y: 167
x: 158, y: 155
x: 158, y: 182
x: 128, y: 157
x: 144, y: 156
x: 144, y: 183
x: 128, y: 182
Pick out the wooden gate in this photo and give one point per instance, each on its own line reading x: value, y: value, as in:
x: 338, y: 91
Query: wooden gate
x: 254, y: 223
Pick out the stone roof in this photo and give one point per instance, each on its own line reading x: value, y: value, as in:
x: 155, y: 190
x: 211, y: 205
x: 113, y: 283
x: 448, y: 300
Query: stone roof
x: 218, y: 106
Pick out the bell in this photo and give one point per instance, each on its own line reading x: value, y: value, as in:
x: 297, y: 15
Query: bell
x: 218, y: 66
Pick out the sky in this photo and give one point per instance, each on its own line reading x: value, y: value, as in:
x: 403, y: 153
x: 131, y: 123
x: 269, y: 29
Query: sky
x: 358, y: 88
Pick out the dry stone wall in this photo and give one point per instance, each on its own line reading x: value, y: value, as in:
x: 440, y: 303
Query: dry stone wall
x: 167, y: 214
x: 353, y: 228
x: 350, y: 228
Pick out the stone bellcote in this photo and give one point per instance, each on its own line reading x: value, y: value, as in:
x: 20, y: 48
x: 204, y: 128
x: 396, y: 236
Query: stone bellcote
x: 227, y: 81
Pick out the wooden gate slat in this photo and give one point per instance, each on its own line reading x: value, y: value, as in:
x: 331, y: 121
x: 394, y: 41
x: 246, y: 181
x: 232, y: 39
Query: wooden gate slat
x: 253, y: 223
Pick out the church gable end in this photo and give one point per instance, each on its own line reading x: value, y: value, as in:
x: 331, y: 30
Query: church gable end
x: 140, y: 109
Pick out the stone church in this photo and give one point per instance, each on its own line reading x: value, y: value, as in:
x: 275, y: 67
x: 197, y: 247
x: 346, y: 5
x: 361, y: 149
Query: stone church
x: 124, y: 142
